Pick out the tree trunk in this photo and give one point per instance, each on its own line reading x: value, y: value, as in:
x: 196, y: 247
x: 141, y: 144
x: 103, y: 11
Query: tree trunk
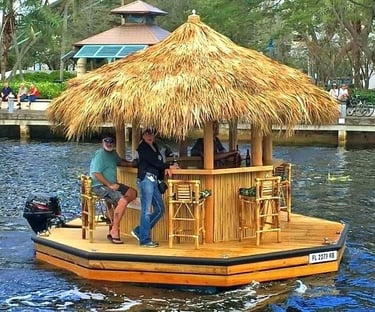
x: 63, y: 40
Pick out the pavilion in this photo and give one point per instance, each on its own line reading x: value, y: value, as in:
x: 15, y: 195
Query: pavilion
x: 138, y: 30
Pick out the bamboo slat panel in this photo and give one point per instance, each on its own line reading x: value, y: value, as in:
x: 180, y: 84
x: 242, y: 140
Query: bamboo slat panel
x: 227, y: 202
x: 224, y: 196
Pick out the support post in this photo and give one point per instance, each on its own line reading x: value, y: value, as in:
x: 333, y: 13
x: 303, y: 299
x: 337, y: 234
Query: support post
x: 136, y: 137
x: 233, y: 141
x: 24, y: 132
x: 342, y: 138
x: 81, y: 66
x: 120, y: 140
x: 268, y: 148
x: 183, y: 148
x: 256, y: 146
x: 208, y: 160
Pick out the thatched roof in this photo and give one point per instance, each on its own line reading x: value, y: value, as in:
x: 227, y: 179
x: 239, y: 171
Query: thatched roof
x: 193, y: 76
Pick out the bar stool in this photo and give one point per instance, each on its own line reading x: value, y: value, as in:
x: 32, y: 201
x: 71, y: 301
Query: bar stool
x: 246, y: 213
x: 259, y: 209
x: 186, y: 211
x: 89, y: 204
x: 267, y: 207
x: 285, y: 172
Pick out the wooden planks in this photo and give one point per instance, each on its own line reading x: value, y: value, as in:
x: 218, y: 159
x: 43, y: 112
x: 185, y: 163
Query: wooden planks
x: 218, y: 264
x: 178, y: 277
x: 301, y: 232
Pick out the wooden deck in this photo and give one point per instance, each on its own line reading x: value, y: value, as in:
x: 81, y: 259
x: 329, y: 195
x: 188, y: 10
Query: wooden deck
x: 304, y: 241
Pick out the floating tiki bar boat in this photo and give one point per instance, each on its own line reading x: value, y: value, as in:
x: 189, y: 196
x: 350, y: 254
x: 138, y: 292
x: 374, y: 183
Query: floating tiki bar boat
x: 304, y: 250
x: 193, y: 79
x: 308, y: 246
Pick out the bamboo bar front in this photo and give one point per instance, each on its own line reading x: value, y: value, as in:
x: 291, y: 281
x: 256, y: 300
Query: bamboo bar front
x: 221, y: 208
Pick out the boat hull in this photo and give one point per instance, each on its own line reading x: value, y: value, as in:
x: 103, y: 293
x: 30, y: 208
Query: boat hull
x: 303, y: 251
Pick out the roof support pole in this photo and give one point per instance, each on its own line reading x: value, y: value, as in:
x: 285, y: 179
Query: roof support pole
x: 120, y: 140
x: 136, y: 136
x: 256, y: 146
x: 233, y: 139
x: 267, y: 148
x: 208, y: 158
x: 208, y: 163
x: 183, y: 148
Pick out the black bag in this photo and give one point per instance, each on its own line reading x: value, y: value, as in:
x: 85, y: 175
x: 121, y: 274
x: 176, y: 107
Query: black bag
x: 162, y: 186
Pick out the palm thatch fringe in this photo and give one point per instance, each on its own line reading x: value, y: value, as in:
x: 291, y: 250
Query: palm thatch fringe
x: 194, y: 76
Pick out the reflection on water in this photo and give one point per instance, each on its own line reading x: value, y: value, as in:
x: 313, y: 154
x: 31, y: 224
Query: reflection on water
x: 29, y: 285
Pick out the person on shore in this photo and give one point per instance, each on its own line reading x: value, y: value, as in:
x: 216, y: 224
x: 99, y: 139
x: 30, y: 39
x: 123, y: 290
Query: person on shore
x: 5, y: 91
x: 334, y: 91
x: 221, y: 156
x: 103, y: 171
x: 151, y: 169
x: 22, y: 94
x: 33, y: 94
x: 343, y: 95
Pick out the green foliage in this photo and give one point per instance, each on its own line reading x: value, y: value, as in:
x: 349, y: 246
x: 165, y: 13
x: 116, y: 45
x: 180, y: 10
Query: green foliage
x: 367, y: 95
x: 315, y: 36
x: 48, y: 84
x: 42, y: 76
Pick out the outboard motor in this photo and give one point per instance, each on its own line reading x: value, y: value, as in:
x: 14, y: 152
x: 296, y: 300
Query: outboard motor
x: 41, y: 210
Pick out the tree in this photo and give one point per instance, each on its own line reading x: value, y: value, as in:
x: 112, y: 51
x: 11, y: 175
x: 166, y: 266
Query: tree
x: 22, y: 24
x: 335, y: 33
x: 70, y: 21
x: 357, y: 18
x: 331, y: 38
x: 7, y: 33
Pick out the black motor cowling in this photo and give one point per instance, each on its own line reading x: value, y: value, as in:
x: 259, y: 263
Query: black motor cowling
x: 40, y: 209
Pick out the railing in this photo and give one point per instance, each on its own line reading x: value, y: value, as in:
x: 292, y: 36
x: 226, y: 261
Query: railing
x: 358, y: 107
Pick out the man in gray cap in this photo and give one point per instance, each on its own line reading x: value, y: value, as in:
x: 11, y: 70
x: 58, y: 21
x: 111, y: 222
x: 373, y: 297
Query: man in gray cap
x: 103, y: 171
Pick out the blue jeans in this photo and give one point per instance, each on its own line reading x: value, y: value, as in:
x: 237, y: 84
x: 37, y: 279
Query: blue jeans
x: 150, y: 195
x: 32, y: 98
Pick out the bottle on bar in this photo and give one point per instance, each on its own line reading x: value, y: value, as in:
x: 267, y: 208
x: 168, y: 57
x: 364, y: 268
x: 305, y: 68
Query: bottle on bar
x: 237, y: 158
x: 247, y: 159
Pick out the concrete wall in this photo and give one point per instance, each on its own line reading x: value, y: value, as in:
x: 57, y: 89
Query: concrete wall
x: 372, y: 82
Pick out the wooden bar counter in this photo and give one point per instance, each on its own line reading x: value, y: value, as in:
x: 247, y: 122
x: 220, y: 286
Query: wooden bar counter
x: 221, y: 208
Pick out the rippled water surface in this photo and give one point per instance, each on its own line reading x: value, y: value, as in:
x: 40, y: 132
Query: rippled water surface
x: 29, y: 285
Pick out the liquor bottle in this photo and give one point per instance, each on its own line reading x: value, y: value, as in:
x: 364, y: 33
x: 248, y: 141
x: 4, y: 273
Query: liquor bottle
x: 247, y: 159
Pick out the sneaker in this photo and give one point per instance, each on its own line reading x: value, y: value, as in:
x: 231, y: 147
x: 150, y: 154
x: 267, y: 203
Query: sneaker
x: 150, y: 244
x: 134, y: 235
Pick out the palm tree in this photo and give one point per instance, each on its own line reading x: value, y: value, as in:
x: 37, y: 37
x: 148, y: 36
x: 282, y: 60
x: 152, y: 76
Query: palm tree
x: 7, y: 33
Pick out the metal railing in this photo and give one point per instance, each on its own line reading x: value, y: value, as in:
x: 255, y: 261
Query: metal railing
x: 358, y: 107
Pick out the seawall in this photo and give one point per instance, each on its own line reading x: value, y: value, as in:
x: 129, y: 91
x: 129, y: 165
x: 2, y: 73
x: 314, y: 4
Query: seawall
x: 359, y: 131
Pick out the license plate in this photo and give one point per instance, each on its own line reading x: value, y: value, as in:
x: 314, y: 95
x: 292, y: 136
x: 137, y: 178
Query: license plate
x: 323, y: 256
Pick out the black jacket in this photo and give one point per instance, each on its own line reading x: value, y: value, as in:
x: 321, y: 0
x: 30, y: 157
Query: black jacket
x: 150, y: 161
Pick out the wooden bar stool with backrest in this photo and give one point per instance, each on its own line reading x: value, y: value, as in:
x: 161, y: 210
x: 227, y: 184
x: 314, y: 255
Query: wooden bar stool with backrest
x: 246, y: 215
x: 267, y: 207
x: 186, y: 211
x: 285, y: 172
x: 89, y: 202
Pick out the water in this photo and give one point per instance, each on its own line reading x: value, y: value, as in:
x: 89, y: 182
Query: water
x: 30, y: 285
